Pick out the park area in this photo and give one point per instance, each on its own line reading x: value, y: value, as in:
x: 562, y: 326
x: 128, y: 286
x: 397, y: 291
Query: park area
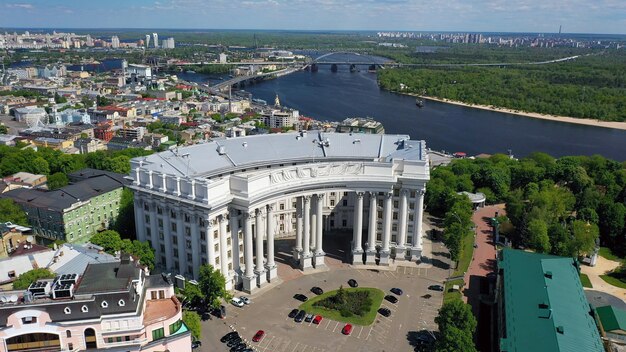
x: 350, y: 305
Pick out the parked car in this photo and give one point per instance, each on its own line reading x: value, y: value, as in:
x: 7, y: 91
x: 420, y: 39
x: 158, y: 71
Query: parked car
x: 239, y: 347
x: 236, y: 302
x: 229, y: 336
x: 317, y: 290
x: 318, y: 319
x: 347, y: 329
x: 384, y: 312
x: 353, y: 283
x: 258, y: 336
x: 300, y: 317
x: 391, y: 299
x: 245, y: 300
x: 293, y: 313
x: 233, y: 342
x: 309, y: 318
x: 196, y: 344
x: 301, y: 297
x: 397, y: 291
x: 436, y: 288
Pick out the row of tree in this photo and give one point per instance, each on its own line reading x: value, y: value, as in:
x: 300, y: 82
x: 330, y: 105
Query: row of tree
x: 112, y: 242
x: 558, y: 206
x: 589, y: 87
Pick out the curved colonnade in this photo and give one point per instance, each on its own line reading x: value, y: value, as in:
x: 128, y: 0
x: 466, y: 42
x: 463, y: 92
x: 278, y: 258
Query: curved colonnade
x: 225, y: 202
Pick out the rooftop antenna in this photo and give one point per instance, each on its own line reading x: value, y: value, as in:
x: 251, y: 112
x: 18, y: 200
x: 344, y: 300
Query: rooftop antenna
x: 560, y: 29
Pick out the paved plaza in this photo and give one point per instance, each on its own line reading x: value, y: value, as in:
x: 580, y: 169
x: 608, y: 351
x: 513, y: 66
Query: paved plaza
x: 415, y: 310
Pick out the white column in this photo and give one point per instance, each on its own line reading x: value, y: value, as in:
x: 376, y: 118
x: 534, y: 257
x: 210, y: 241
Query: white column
x: 154, y: 230
x: 313, y: 223
x: 164, y: 181
x: 182, y: 242
x: 319, y: 227
x: 402, y: 221
x: 271, y: 229
x: 195, y: 245
x: 150, y: 184
x: 358, y: 224
x: 370, y: 257
x: 178, y: 186
x: 298, y: 248
x: 234, y: 238
x: 306, y: 258
x: 223, y: 247
x: 210, y: 240
x: 140, y: 224
x: 387, y: 212
x: 417, y: 226
x: 167, y: 235
x: 260, y: 234
x: 249, y: 283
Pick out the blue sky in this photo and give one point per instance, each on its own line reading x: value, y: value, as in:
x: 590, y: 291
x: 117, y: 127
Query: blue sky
x: 576, y: 16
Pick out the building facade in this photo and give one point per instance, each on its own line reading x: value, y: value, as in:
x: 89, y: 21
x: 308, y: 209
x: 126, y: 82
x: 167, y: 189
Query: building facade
x: 111, y: 306
x: 224, y: 203
x: 72, y: 213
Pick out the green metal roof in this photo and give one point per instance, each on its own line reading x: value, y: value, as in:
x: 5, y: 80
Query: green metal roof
x: 545, y: 307
x: 612, y: 318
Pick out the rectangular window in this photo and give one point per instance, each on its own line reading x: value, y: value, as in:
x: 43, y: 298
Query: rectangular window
x: 188, y: 243
x: 187, y: 231
x: 187, y: 218
x: 281, y: 206
x: 153, y: 295
x: 216, y: 247
x: 228, y: 241
x: 344, y: 223
x: 230, y: 254
x: 175, y: 240
x: 160, y: 223
x: 147, y: 217
x: 159, y: 211
x: 162, y: 248
x: 174, y: 226
x: 230, y: 266
x: 281, y: 217
x: 203, y: 235
x: 203, y: 249
x: 175, y: 326
x: 172, y: 214
x: 189, y: 257
x: 395, y: 216
x: 160, y: 235
x: 215, y: 235
x: 411, y: 205
x: 161, y: 294
x: 157, y: 334
x: 345, y: 202
x: 332, y: 202
x: 217, y: 261
x: 395, y: 203
x: 70, y: 346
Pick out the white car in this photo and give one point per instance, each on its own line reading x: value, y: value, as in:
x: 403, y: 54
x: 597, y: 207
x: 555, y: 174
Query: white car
x: 236, y: 302
x: 245, y: 300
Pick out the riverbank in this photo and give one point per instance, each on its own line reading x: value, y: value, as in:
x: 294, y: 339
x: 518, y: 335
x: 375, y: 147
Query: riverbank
x: 565, y: 119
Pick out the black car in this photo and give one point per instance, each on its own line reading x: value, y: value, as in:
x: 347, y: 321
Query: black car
x: 353, y: 283
x: 233, y: 342
x: 293, y: 313
x: 384, y: 312
x: 397, y: 291
x: 229, y: 336
x: 317, y: 290
x: 391, y: 299
x: 436, y: 288
x: 196, y: 344
x: 300, y: 317
x: 301, y: 297
x: 239, y: 347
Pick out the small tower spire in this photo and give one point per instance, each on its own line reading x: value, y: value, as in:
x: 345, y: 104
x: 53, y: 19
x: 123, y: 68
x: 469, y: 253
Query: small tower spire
x: 277, y: 101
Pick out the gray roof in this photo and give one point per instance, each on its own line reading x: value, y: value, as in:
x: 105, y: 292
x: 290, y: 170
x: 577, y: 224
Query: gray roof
x: 106, y: 277
x: 206, y: 160
x: 64, y: 197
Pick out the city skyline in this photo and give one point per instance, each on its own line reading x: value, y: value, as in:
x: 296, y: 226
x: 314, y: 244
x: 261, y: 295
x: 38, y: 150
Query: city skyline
x: 575, y: 16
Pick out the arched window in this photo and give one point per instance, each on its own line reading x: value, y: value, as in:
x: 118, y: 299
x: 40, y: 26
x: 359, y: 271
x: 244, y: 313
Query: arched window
x: 68, y: 333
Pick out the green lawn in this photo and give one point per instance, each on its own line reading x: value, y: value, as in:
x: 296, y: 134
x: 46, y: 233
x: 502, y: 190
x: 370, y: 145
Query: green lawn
x: 613, y: 281
x: 467, y: 251
x: 449, y: 295
x: 584, y: 279
x: 376, y: 295
x: 607, y: 254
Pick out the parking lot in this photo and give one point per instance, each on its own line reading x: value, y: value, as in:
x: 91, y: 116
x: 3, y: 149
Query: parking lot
x: 268, y: 311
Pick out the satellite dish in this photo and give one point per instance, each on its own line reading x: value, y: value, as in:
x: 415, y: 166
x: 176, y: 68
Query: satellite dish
x: 30, y: 239
x: 13, y: 298
x: 3, y: 299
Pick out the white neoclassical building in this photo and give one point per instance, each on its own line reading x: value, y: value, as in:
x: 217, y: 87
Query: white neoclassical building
x: 225, y: 202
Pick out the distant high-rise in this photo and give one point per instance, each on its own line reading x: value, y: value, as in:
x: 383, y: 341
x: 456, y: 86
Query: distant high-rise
x: 155, y: 36
x: 147, y: 41
x: 559, y: 29
x: 115, y: 42
x: 168, y: 43
x: 89, y: 40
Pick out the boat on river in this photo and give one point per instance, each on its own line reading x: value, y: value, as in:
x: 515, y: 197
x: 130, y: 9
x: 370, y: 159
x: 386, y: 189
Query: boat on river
x: 419, y: 102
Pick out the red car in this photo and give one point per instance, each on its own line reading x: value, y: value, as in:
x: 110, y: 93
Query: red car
x: 347, y: 329
x: 317, y: 320
x: 258, y: 336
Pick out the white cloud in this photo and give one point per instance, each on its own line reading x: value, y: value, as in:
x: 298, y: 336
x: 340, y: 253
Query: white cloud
x: 20, y: 6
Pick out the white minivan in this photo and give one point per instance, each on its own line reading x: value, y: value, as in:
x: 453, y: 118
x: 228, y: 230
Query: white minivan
x: 236, y: 302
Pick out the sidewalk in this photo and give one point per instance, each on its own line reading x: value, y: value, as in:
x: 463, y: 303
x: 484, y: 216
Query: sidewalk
x: 602, y: 267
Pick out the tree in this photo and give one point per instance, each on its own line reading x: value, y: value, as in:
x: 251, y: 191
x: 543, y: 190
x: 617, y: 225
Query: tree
x: 456, y: 326
x: 212, y: 284
x: 109, y: 240
x: 57, y: 180
x: 453, y: 237
x: 538, y: 236
x: 125, y: 221
x: 3, y: 129
x: 584, y: 236
x: 192, y: 320
x: 27, y: 278
x: 192, y: 294
x: 11, y: 212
